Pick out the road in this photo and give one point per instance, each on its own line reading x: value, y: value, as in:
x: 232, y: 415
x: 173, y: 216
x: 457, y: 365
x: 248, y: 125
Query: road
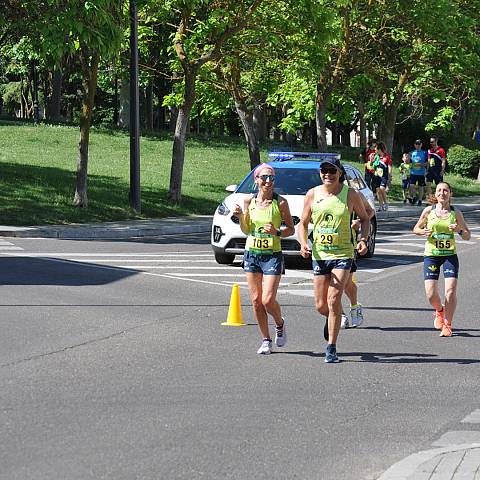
x: 114, y: 365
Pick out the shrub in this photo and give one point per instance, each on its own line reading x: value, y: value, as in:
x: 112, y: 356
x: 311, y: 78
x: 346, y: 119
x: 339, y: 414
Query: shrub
x: 464, y: 161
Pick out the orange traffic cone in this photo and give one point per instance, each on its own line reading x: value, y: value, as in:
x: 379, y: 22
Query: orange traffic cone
x: 234, y: 318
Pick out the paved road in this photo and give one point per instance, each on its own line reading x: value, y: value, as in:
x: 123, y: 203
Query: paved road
x: 113, y: 364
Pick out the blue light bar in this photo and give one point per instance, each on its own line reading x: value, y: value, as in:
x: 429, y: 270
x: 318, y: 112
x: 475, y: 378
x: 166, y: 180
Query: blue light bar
x: 282, y: 156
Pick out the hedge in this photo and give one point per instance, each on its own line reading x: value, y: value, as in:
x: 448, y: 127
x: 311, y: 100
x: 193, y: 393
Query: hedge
x: 463, y: 161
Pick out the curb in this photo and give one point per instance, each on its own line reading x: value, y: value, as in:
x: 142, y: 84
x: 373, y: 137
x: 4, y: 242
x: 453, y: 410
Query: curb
x: 403, y: 469
x: 166, y: 226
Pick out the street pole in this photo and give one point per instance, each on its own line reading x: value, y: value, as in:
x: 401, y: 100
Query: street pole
x: 36, y: 111
x: 134, y: 111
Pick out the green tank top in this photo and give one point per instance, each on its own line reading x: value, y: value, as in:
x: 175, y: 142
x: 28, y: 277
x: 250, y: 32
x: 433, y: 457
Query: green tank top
x: 332, y: 233
x: 442, y: 241
x: 257, y: 241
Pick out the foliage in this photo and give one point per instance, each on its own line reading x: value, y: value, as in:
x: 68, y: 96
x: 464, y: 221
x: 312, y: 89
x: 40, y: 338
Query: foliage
x: 464, y: 161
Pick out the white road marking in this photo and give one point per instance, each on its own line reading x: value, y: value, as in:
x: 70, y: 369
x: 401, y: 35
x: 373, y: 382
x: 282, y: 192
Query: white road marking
x: 388, y: 260
x: 123, y: 260
x: 474, y: 417
x: 10, y: 248
x: 398, y: 252
x: 93, y: 255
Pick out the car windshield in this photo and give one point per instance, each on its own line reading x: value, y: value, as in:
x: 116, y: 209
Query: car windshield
x: 288, y: 181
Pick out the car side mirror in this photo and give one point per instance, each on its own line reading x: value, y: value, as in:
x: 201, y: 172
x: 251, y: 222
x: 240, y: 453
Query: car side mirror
x: 231, y: 188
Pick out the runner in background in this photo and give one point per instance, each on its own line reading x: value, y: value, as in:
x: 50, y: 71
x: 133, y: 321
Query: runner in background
x: 405, y: 175
x: 418, y: 169
x: 439, y: 223
x: 437, y: 162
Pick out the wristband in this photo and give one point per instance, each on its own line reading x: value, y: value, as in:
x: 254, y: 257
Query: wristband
x: 460, y: 232
x: 279, y: 233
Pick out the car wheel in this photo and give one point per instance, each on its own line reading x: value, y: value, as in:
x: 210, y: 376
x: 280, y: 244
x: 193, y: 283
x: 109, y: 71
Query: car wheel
x: 224, y: 258
x: 371, y: 238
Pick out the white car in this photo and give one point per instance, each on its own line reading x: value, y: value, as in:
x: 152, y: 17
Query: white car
x: 295, y: 174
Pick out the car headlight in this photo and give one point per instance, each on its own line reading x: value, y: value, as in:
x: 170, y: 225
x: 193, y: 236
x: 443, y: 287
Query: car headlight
x: 223, y: 209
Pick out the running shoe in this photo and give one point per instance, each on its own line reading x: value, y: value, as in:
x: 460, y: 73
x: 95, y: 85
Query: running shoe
x: 325, y: 330
x: 385, y: 207
x: 356, y: 315
x: 404, y: 200
x: 419, y: 203
x: 439, y: 318
x: 281, y: 334
x: 344, y: 322
x: 446, y: 330
x: 331, y: 355
x: 265, y: 347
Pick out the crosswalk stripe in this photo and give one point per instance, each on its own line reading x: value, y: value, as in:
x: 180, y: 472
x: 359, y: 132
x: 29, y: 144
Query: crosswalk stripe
x: 10, y: 248
x: 474, y: 417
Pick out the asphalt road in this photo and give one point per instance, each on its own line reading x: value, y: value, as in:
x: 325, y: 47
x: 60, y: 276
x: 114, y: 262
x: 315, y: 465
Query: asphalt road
x: 114, y: 365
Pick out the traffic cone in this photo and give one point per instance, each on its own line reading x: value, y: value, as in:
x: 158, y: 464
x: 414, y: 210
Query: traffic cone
x: 234, y: 318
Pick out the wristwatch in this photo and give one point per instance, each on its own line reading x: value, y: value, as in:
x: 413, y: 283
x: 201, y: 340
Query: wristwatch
x: 460, y: 232
x: 279, y: 232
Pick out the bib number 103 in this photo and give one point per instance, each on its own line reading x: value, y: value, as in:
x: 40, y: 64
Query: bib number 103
x: 261, y: 243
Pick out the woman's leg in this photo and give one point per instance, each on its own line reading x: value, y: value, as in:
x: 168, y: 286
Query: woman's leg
x: 450, y: 299
x: 269, y: 297
x: 431, y: 290
x: 254, y: 281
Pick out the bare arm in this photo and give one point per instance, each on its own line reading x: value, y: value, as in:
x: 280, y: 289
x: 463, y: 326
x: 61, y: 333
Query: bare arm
x: 419, y: 228
x: 460, y: 226
x: 243, y: 214
x: 305, y: 250
x: 356, y: 204
x: 287, y: 218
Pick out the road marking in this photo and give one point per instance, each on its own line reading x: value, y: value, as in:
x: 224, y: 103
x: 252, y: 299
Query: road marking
x: 112, y: 260
x: 10, y: 248
x: 474, y: 417
x: 93, y: 255
x: 401, y: 244
x: 388, y: 260
x: 180, y: 267
x: 399, y: 252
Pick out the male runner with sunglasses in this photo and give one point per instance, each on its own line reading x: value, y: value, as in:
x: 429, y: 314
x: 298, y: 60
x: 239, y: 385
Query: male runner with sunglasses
x: 330, y: 207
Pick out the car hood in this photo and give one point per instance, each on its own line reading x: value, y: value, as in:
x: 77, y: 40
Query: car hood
x: 295, y: 202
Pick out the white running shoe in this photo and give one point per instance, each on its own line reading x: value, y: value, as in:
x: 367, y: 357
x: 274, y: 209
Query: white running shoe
x: 265, y: 347
x: 281, y: 334
x: 345, y: 323
x: 356, y: 315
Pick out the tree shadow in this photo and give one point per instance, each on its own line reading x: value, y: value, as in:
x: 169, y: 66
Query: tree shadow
x: 52, y: 271
x: 34, y: 195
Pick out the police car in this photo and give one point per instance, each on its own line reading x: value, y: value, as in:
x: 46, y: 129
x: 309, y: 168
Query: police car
x: 295, y: 174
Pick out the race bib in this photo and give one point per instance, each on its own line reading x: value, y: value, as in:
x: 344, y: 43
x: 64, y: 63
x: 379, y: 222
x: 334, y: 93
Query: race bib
x: 327, y: 239
x: 260, y: 243
x: 432, y: 162
x: 443, y: 244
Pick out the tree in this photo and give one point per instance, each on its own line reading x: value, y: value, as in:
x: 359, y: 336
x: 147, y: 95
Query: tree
x: 203, y: 27
x: 90, y: 30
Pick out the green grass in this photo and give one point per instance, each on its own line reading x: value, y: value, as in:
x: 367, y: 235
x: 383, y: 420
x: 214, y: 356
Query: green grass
x: 37, y: 180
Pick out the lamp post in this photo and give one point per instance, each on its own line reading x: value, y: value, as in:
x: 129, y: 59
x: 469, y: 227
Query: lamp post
x: 134, y: 111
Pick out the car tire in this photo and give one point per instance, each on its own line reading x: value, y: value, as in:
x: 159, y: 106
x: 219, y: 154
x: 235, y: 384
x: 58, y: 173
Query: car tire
x: 224, y: 258
x: 371, y: 238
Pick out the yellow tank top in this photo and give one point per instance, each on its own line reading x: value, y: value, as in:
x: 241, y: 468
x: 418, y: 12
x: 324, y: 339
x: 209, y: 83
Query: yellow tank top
x: 257, y: 241
x: 332, y: 233
x: 441, y: 242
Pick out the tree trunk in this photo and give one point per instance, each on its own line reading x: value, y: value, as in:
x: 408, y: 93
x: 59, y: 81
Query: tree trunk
x: 345, y: 135
x: 89, y: 86
x: 388, y: 130
x: 321, y: 120
x: 149, y: 105
x: 55, y: 100
x: 181, y: 128
x: 124, y: 113
x: 260, y: 119
x: 362, y: 124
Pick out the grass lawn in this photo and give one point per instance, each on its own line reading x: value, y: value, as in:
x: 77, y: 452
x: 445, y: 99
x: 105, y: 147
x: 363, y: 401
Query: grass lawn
x: 38, y: 165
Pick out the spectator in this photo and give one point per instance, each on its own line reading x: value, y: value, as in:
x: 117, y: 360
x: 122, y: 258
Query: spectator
x: 383, y: 171
x: 405, y: 174
x: 418, y: 169
x: 368, y: 157
x: 437, y: 161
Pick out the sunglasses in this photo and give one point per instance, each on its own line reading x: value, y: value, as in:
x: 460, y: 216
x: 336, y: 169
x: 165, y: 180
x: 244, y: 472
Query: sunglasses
x: 264, y: 178
x: 330, y: 170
